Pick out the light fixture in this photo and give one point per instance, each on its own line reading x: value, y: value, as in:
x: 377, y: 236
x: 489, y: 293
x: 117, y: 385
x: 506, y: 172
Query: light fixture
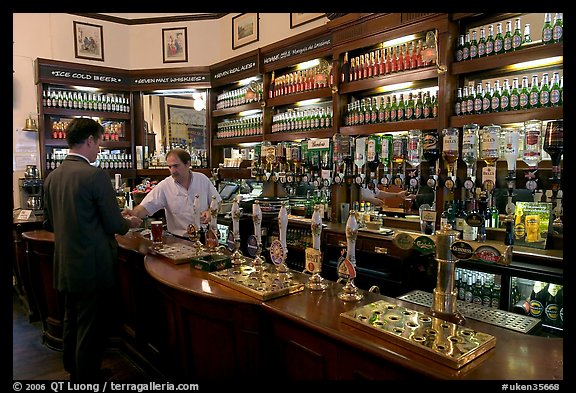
x: 30, y: 124
x: 199, y: 105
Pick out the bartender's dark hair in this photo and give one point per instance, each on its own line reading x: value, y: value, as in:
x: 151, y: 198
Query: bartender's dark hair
x: 182, y: 154
x: 79, y: 129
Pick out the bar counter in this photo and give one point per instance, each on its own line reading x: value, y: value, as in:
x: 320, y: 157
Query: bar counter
x: 216, y: 332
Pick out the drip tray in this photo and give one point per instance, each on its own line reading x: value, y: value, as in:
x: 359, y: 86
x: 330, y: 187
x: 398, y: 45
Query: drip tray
x: 263, y: 283
x: 493, y: 316
x: 434, y: 338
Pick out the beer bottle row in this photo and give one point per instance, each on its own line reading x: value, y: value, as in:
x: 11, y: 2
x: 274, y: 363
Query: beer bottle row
x: 546, y: 302
x: 113, y: 130
x: 391, y: 108
x: 245, y: 126
x: 237, y: 97
x: 542, y: 93
x: 480, y: 288
x: 85, y: 101
x: 297, y: 82
x: 302, y: 120
x: 104, y: 160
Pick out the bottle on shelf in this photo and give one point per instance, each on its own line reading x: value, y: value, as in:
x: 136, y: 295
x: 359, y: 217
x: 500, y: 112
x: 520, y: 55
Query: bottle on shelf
x: 555, y: 91
x: 534, y: 97
x: 482, y: 42
x: 538, y: 299
x: 514, y: 95
x: 547, y: 34
x: 544, y: 91
x: 527, y: 38
x: 466, y: 47
x: 490, y: 41
x: 558, y: 28
x: 507, y: 42
x: 474, y: 45
x: 524, y: 96
x: 498, y: 40
x: 551, y: 312
x: 517, y: 36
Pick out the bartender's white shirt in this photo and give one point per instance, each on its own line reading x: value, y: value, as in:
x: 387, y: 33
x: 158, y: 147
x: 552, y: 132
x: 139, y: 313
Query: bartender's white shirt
x: 178, y: 203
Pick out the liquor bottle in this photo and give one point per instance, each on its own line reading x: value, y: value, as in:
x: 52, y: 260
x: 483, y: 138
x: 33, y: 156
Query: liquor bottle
x: 353, y: 71
x: 488, y: 150
x: 487, y: 99
x: 555, y: 92
x: 517, y: 36
x: 458, y: 103
x: 505, y: 97
x: 524, y: 96
x: 511, y: 141
x: 558, y: 28
x: 271, y: 90
x: 372, y: 154
x: 414, y: 155
x: 534, y: 97
x: 545, y: 91
x: 495, y: 103
x: 447, y: 217
x: 508, y: 37
x: 531, y: 153
x: 514, y: 96
x: 482, y: 42
x: 551, y: 308
x: 498, y: 40
x: 547, y: 28
x: 474, y: 45
x: 490, y: 41
x: 527, y: 36
x: 470, y: 148
x: 538, y: 299
x: 466, y: 48
x: 554, y: 143
x: 450, y: 151
x: 478, y: 98
x: 430, y: 148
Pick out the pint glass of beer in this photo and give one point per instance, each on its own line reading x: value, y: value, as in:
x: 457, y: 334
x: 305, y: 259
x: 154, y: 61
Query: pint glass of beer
x: 532, y: 224
x: 156, y: 230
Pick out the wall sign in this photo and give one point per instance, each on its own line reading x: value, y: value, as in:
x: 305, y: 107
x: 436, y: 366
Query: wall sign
x: 231, y: 69
x: 299, y: 49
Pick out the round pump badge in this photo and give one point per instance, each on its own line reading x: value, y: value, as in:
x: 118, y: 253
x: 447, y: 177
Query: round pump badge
x: 462, y: 250
x: 230, y: 243
x: 252, y: 245
x: 277, y: 252
x: 424, y: 244
x: 403, y: 241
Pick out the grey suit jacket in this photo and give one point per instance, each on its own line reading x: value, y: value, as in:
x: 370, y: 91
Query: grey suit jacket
x: 81, y: 209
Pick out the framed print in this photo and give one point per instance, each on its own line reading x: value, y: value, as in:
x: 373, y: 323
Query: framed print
x: 175, y: 45
x: 244, y: 29
x: 88, y: 41
x: 300, y: 18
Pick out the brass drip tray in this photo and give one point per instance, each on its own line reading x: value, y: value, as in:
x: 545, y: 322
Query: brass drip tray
x: 263, y: 283
x: 434, y: 338
x: 493, y: 316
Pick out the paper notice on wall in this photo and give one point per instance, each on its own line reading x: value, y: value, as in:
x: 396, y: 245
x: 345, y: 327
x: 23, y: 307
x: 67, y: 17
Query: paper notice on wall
x: 23, y: 159
x: 26, y: 142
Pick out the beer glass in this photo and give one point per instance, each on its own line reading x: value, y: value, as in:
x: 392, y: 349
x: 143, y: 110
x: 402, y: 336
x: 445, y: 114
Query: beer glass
x: 156, y: 231
x: 532, y: 225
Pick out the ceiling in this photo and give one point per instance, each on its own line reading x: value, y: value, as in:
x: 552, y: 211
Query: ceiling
x: 139, y: 18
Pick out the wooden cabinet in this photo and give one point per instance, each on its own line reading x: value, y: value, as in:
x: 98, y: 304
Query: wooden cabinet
x: 71, y: 90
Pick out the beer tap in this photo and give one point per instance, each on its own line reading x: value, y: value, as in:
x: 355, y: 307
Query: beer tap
x: 313, y: 255
x: 235, y: 212
x: 259, y: 259
x: 347, y: 266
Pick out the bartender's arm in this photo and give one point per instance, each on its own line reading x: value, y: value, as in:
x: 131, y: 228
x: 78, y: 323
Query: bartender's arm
x: 140, y: 211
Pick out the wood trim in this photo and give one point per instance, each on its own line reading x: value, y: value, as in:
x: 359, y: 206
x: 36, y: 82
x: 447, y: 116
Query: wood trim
x: 153, y: 20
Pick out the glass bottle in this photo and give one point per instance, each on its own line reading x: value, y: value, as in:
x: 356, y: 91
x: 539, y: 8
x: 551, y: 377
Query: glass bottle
x: 558, y: 28
x: 459, y: 47
x: 547, y: 28
x: 470, y: 100
x: 345, y: 74
x: 490, y: 41
x: 487, y: 99
x: 478, y: 98
x: 527, y: 36
x: 514, y: 95
x: 470, y: 148
x: 409, y: 111
x: 414, y: 156
x: 524, y: 97
x: 517, y: 36
x: 505, y: 97
x: 393, y: 108
x: 464, y: 104
x: 419, y: 107
x: 554, y: 143
x: 482, y: 42
x: 458, y: 103
x: 531, y: 154
x: 489, y: 137
x: 534, y: 97
x: 428, y: 106
x: 372, y: 154
x: 474, y: 45
x: 466, y: 48
x: 495, y: 104
x: 507, y: 42
x: 511, y: 141
x: 498, y: 40
x: 450, y: 149
x: 555, y: 93
x: 401, y: 110
x: 545, y: 91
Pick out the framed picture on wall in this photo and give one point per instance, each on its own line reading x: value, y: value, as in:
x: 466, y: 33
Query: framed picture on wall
x: 244, y: 29
x: 301, y: 18
x: 175, y: 45
x: 88, y: 41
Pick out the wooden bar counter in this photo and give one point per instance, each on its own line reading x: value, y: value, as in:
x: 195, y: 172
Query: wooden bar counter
x: 211, y: 331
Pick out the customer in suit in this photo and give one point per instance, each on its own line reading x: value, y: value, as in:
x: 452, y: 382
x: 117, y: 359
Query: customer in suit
x: 81, y: 210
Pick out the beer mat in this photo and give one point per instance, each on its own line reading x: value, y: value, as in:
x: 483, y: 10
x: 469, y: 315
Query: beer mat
x: 439, y: 340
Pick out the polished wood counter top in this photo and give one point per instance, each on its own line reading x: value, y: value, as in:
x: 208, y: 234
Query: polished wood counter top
x: 516, y: 356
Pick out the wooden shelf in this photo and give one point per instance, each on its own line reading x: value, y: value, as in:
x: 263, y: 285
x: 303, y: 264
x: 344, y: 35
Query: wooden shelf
x: 369, y: 129
x: 293, y: 135
x: 237, y: 140
x: 63, y: 112
x: 237, y: 109
x: 419, y: 74
x: 508, y: 117
x: 290, y: 99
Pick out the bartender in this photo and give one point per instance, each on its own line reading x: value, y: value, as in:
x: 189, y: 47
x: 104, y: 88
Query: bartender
x: 176, y: 193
